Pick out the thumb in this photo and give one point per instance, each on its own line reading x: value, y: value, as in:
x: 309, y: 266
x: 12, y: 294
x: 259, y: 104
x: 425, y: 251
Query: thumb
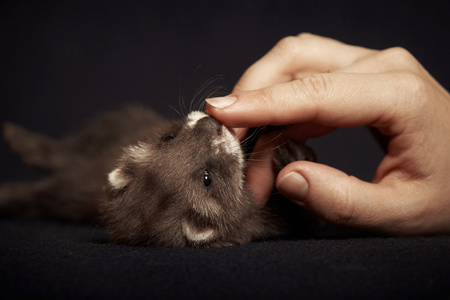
x: 334, y: 196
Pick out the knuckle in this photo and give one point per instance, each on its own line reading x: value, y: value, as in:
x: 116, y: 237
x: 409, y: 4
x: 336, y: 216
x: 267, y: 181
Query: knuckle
x: 315, y: 86
x: 292, y: 46
x: 415, y: 84
x: 319, y: 84
x: 417, y: 88
x: 312, y: 90
x: 397, y: 55
x: 286, y: 47
x: 306, y: 35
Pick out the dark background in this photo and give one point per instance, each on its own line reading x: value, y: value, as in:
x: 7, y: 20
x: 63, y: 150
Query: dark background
x: 62, y: 63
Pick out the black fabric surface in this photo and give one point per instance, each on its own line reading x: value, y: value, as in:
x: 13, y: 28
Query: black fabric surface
x: 49, y: 260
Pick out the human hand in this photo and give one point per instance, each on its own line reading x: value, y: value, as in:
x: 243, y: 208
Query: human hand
x: 315, y: 85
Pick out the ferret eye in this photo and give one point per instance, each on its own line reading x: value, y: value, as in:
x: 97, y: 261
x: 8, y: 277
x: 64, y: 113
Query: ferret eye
x: 207, y: 180
x: 168, y: 138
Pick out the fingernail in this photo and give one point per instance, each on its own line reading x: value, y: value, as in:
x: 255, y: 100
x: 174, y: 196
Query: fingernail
x: 221, y: 102
x: 293, y: 186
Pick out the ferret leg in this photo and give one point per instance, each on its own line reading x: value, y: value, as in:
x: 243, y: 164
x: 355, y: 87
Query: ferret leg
x: 47, y: 198
x: 20, y: 199
x: 35, y: 149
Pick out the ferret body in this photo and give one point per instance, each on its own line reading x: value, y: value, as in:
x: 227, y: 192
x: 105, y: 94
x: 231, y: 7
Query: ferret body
x: 149, y: 181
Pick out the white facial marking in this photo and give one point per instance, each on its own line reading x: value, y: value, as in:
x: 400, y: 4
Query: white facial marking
x: 196, y: 235
x: 138, y: 152
x: 224, y: 142
x: 193, y: 117
x: 230, y: 144
x: 117, y: 179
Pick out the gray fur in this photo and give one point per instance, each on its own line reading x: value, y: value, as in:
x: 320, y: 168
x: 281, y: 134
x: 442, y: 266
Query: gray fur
x: 149, y: 181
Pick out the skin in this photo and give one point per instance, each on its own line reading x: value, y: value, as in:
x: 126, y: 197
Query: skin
x: 315, y: 85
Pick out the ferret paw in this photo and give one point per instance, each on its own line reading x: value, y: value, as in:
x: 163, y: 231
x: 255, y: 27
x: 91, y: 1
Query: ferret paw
x: 292, y: 151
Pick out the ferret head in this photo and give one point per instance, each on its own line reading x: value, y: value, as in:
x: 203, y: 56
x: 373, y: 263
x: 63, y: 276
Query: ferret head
x: 182, y: 186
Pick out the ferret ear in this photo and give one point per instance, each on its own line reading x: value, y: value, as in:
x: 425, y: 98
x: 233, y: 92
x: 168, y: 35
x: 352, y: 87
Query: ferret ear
x: 118, y: 179
x: 121, y: 177
x: 195, y: 234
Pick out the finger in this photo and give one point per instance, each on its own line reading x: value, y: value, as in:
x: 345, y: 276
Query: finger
x: 303, y: 131
x: 336, y: 100
x: 260, y: 177
x: 394, y: 59
x: 345, y: 200
x: 240, y: 133
x: 292, y: 55
x: 389, y: 60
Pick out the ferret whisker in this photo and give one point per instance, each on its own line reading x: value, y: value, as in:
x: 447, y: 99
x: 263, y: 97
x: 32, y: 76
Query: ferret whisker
x: 267, y: 150
x: 179, y: 113
x: 202, y: 91
x: 181, y: 98
x: 212, y: 92
x: 251, y: 160
x: 269, y: 142
x: 182, y: 104
x: 250, y: 138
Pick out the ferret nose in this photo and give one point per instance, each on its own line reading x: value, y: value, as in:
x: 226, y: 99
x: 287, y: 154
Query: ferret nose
x: 215, y: 124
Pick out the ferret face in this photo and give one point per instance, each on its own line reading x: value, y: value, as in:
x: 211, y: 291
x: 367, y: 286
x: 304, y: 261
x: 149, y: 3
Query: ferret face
x: 182, y: 186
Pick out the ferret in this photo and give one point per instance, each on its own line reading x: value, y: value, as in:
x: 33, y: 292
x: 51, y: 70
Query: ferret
x: 149, y: 181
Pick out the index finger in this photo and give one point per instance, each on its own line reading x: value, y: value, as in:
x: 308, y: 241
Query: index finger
x: 331, y: 99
